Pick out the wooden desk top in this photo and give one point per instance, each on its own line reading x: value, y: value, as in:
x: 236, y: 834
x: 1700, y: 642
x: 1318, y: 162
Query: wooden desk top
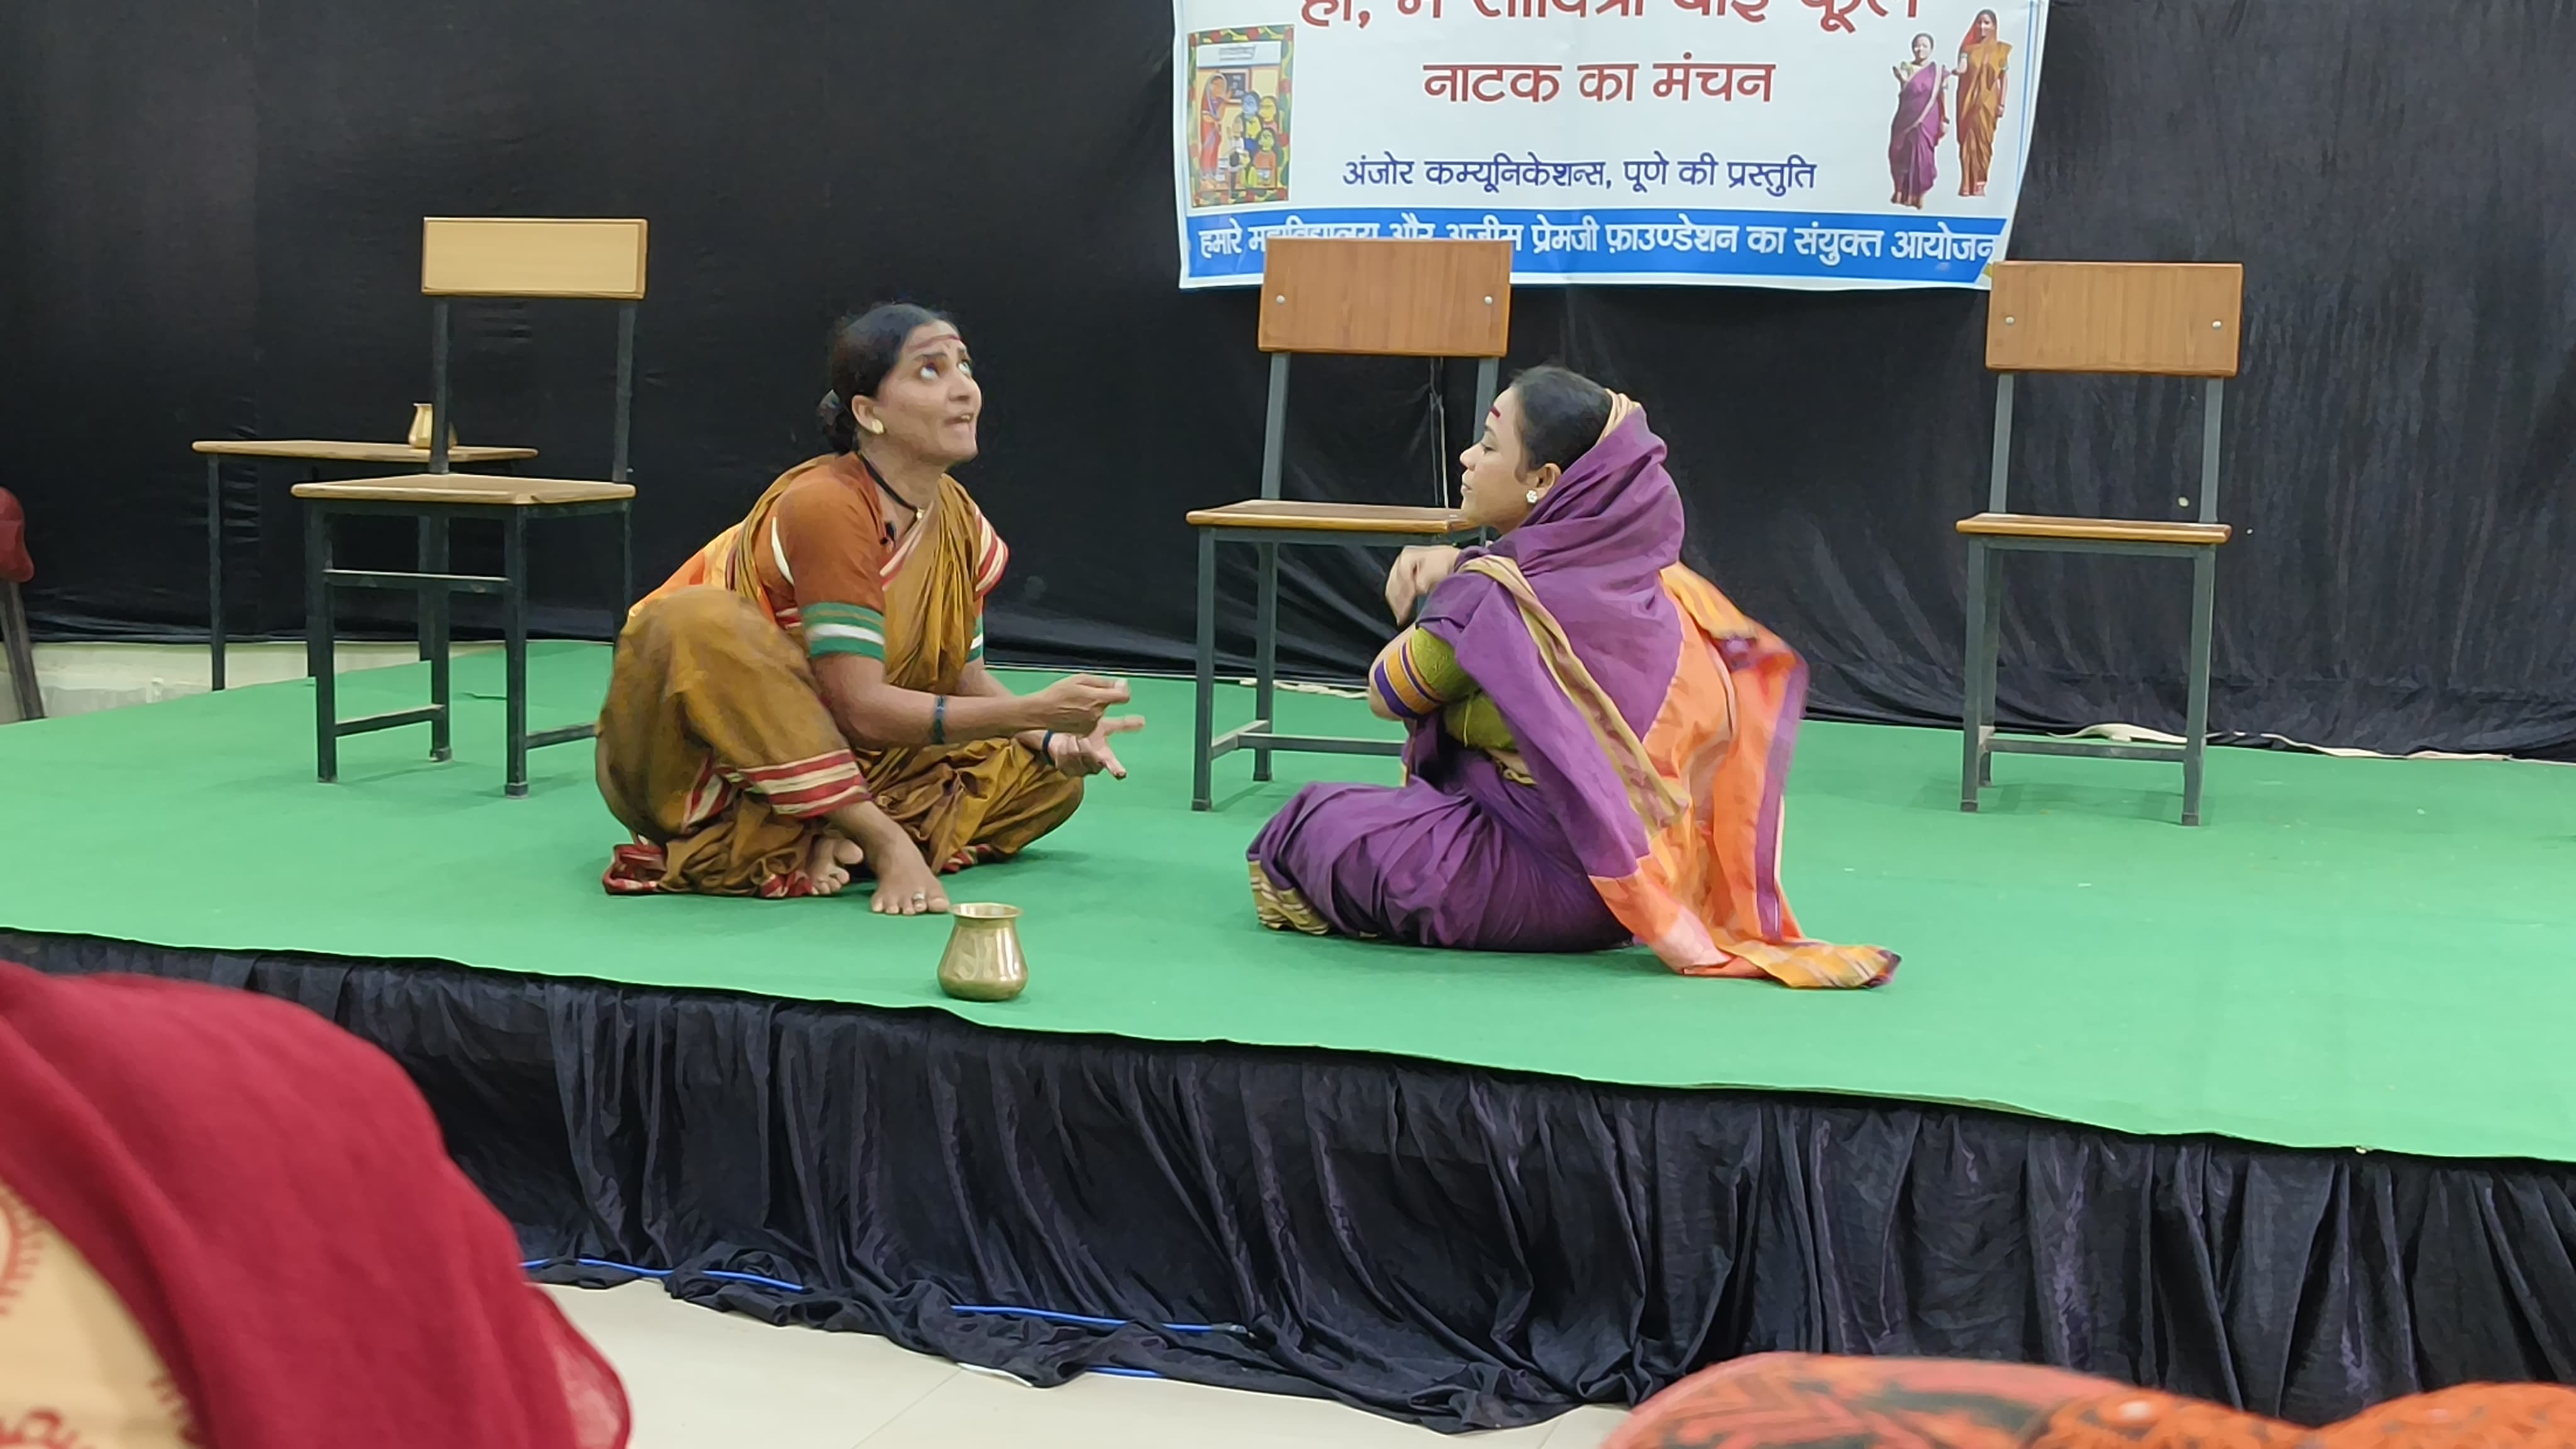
x: 474, y: 489
x: 320, y: 450
x: 1331, y: 517
x: 2095, y: 530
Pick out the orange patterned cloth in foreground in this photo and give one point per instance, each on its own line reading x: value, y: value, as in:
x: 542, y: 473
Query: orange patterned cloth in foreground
x: 1802, y: 1401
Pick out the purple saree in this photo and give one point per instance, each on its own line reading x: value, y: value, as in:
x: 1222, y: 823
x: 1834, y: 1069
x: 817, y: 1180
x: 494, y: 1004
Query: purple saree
x: 1914, y: 140
x: 1651, y: 727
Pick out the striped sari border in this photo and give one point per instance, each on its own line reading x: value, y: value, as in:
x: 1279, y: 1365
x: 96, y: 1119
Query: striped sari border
x: 843, y: 629
x: 801, y: 789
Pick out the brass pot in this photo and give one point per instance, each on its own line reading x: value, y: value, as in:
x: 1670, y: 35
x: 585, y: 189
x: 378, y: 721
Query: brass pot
x: 420, y: 429
x: 983, y: 960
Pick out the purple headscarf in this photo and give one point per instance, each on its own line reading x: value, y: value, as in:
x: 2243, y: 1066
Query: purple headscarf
x: 1593, y: 550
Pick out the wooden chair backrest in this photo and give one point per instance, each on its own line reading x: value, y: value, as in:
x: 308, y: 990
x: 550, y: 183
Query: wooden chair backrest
x: 2161, y: 319
x: 1361, y: 297
x: 497, y: 256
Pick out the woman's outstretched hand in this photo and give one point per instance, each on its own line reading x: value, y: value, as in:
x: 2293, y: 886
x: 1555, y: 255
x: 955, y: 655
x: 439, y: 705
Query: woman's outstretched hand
x: 1418, y: 570
x: 1080, y: 755
x: 1075, y: 705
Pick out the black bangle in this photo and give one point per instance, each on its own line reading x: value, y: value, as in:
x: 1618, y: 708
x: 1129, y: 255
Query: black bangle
x: 939, y: 719
x: 1046, y: 747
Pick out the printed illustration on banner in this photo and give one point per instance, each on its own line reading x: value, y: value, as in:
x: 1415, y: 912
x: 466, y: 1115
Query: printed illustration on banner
x: 1239, y: 80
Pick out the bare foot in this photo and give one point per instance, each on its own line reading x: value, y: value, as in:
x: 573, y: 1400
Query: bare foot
x: 830, y: 862
x: 906, y: 886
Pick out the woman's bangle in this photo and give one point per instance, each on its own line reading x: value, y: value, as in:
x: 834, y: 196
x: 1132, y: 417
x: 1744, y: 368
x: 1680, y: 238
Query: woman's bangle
x: 1046, y: 746
x: 939, y: 719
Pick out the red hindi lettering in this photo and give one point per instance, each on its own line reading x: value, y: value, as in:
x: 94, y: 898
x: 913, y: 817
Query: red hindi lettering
x: 1445, y: 82
x: 1414, y: 7
x: 1834, y: 15
x: 1608, y: 82
x: 1322, y: 13
x: 1743, y: 9
x: 1537, y: 83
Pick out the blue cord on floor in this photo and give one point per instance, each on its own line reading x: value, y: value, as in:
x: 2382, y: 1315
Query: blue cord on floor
x: 1083, y: 1320
x: 977, y: 1310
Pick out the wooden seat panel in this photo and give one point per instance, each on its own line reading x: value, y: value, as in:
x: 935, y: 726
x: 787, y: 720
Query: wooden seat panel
x: 480, y: 490
x: 2095, y: 530
x: 1331, y: 517
x: 324, y: 450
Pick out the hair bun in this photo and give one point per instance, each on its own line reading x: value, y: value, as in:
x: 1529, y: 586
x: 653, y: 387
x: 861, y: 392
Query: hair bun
x: 840, y: 425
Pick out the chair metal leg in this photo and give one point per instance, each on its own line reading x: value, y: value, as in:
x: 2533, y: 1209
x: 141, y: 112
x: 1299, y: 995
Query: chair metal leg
x: 625, y: 569
x: 318, y: 652
x: 215, y: 568
x: 1990, y: 662
x: 1972, y: 687
x: 2204, y: 618
x: 22, y: 652
x: 435, y: 606
x: 1201, y: 765
x: 514, y: 687
x: 1265, y: 674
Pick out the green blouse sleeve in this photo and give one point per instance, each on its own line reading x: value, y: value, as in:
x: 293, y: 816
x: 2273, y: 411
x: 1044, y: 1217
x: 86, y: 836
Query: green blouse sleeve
x: 1416, y: 674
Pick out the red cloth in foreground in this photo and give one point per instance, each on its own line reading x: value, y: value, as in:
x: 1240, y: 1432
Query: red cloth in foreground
x: 1809, y: 1401
x: 272, y: 1200
x: 15, y: 566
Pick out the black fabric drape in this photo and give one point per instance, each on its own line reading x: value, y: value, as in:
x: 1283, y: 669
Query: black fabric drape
x: 209, y: 224
x: 1462, y: 1248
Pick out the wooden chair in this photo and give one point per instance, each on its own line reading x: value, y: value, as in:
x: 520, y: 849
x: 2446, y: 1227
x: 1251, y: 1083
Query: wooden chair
x: 468, y: 257
x: 2142, y: 319
x: 1346, y: 298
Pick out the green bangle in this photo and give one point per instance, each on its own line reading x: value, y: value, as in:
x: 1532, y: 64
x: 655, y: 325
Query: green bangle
x: 939, y: 719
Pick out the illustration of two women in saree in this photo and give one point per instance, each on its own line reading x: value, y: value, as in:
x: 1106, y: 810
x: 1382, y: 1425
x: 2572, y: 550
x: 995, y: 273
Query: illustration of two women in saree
x: 1924, y: 88
x: 1239, y: 100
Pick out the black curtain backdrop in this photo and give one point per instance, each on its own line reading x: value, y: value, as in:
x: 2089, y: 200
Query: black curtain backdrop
x: 210, y: 217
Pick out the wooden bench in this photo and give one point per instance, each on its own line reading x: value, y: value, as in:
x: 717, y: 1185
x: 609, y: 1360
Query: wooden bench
x: 308, y: 451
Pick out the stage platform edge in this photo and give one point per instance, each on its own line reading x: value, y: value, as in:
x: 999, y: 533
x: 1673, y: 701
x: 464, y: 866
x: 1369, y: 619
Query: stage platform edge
x: 1455, y: 1246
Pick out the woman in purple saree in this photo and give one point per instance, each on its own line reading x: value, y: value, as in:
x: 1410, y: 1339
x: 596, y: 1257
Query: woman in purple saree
x: 1598, y: 739
x: 1914, y: 140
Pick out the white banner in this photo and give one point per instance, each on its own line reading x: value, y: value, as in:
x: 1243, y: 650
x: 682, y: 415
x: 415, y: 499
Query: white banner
x: 1772, y: 143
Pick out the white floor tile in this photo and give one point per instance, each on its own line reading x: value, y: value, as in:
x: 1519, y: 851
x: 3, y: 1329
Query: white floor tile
x: 974, y: 1411
x: 698, y: 1377
x: 86, y: 678
x: 1584, y: 1428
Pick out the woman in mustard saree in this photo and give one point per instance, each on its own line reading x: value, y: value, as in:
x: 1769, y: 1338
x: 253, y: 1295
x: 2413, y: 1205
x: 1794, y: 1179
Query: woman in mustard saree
x: 1599, y: 740
x: 807, y: 696
x: 1984, y: 63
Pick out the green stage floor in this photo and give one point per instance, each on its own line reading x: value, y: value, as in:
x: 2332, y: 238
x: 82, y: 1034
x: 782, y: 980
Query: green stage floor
x: 2351, y: 953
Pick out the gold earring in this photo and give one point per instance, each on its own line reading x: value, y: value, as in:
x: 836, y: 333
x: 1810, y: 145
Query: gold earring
x: 872, y: 425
